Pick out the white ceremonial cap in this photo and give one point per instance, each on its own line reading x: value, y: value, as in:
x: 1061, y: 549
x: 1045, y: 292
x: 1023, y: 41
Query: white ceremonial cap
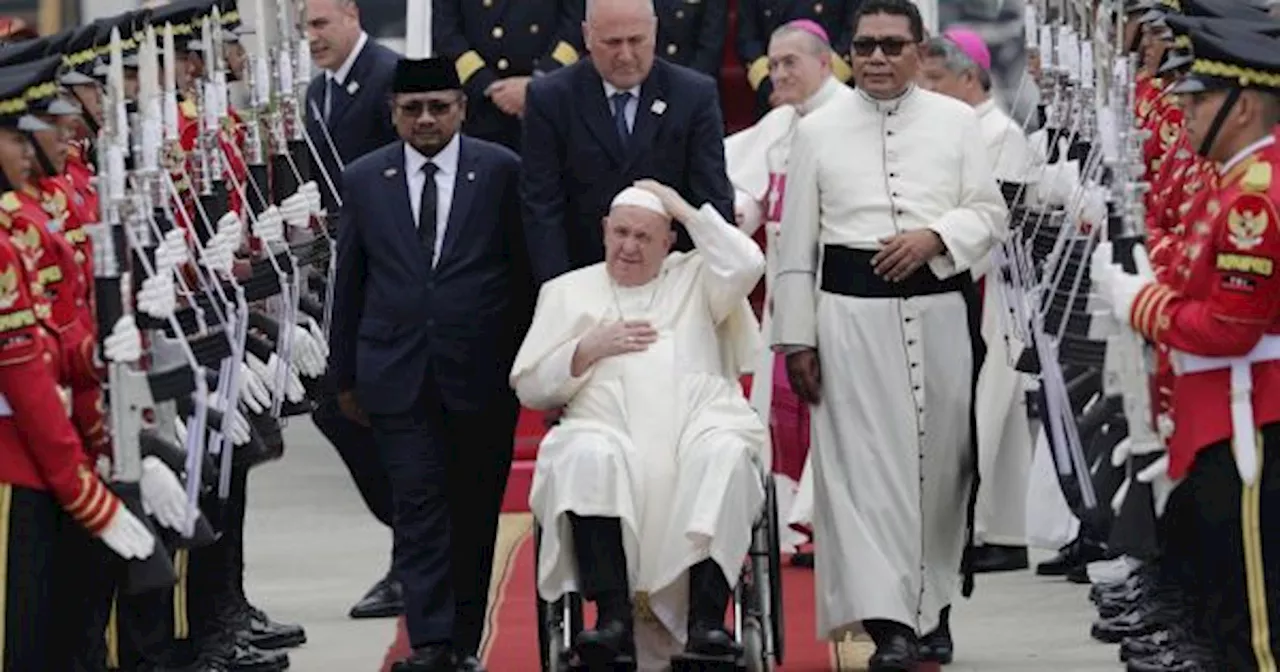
x: 635, y: 196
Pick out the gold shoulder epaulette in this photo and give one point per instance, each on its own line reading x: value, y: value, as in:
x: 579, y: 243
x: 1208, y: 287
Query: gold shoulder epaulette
x: 1257, y: 178
x: 188, y: 109
x: 10, y: 202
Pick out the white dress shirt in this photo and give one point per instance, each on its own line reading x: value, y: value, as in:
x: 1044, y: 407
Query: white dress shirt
x: 632, y: 105
x: 339, y: 76
x: 446, y: 161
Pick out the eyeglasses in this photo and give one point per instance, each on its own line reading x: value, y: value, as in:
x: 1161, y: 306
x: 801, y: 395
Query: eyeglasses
x: 891, y: 46
x: 435, y: 107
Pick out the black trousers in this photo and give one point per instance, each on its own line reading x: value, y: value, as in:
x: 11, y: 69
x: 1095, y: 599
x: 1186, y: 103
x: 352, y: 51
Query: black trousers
x: 30, y: 520
x: 86, y: 574
x: 1238, y: 553
x: 448, y: 471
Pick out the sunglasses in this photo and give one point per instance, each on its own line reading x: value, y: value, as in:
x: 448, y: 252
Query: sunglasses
x: 435, y: 107
x: 891, y: 46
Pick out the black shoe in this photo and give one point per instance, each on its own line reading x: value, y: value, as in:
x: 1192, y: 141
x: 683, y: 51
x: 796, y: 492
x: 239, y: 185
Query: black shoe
x: 937, y: 647
x: 269, y: 635
x: 471, y: 664
x: 897, y: 653
x: 1150, y: 644
x: 437, y: 658
x: 610, y: 642
x: 384, y: 600
x: 1074, y: 554
x: 1180, y: 658
x: 993, y: 558
x: 709, y: 595
x: 1147, y: 617
x: 247, y: 658
x: 712, y: 642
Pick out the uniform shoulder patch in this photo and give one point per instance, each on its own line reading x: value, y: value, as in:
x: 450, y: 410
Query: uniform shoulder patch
x: 1248, y: 219
x: 188, y: 109
x: 1257, y: 179
x: 9, y: 202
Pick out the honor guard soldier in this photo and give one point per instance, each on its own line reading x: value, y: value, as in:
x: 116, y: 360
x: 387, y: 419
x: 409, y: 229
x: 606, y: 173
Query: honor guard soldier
x: 1220, y: 316
x: 692, y: 32
x: 43, y: 464
x: 497, y: 46
x: 757, y: 19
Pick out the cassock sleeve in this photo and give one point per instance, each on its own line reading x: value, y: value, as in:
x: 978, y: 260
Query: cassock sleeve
x: 541, y: 375
x: 794, y: 298
x: 980, y: 219
x: 732, y: 263
x: 751, y: 209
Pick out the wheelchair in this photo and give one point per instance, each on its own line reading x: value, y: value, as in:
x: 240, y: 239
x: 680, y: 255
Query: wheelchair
x: 757, y: 609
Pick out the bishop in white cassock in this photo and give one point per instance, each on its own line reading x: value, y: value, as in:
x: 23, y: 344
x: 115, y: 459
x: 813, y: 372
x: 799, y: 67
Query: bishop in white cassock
x: 756, y: 158
x: 650, y: 483
x: 958, y: 65
x: 890, y: 201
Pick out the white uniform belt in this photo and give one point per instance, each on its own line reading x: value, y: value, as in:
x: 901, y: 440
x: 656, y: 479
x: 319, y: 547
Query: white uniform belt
x: 1244, y: 432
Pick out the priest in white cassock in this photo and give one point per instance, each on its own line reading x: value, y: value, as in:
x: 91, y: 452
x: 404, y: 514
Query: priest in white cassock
x: 650, y: 483
x: 890, y: 202
x: 958, y: 65
x: 800, y: 69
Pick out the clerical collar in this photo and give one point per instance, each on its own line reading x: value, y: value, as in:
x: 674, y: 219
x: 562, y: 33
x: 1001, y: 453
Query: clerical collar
x: 821, y: 96
x: 888, y: 104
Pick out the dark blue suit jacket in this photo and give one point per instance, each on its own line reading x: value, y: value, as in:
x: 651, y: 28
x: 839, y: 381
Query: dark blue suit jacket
x: 574, y: 163
x: 359, y: 122
x: 398, y: 324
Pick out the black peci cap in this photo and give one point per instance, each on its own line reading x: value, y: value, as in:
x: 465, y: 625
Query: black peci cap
x: 425, y: 75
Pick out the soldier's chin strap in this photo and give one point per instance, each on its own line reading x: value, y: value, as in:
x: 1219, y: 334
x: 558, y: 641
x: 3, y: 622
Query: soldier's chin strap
x: 1219, y: 119
x: 46, y: 166
x: 86, y: 115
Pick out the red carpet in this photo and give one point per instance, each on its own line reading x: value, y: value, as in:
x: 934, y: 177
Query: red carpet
x: 512, y: 641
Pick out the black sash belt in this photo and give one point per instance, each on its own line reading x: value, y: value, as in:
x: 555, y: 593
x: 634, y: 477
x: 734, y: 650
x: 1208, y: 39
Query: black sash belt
x: 848, y: 272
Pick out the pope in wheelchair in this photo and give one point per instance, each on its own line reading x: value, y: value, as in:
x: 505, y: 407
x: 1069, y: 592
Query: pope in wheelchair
x: 648, y: 488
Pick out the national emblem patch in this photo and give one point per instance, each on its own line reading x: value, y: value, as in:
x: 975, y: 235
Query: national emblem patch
x: 1248, y: 220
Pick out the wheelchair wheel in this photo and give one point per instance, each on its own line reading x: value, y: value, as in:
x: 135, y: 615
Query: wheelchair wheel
x: 775, y: 622
x: 755, y: 652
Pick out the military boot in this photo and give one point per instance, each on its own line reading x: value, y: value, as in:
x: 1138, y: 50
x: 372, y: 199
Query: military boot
x: 897, y: 647
x: 709, y: 595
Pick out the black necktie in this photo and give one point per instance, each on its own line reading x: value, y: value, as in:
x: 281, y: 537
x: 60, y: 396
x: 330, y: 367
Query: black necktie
x: 620, y: 100
x: 427, y: 212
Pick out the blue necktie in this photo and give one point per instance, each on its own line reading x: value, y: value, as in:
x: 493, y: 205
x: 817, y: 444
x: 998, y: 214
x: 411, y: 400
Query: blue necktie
x: 620, y: 100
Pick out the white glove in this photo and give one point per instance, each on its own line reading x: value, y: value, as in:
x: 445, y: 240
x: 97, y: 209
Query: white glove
x: 218, y: 255
x: 1157, y: 474
x: 260, y: 369
x: 317, y: 334
x: 127, y: 536
x: 1113, y: 284
x: 1127, y: 449
x: 163, y: 497
x: 157, y: 297
x: 312, y: 191
x: 1093, y: 208
x: 1117, y: 501
x: 269, y: 226
x: 230, y: 226
x: 238, y: 428
x: 293, y: 389
x: 306, y: 355
x: 296, y: 210
x: 180, y: 431
x: 254, y: 392
x: 124, y: 344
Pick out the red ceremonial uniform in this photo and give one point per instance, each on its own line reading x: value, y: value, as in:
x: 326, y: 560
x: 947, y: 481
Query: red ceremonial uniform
x: 1164, y: 123
x: 39, y: 448
x: 230, y: 138
x: 65, y: 288
x: 1224, y: 298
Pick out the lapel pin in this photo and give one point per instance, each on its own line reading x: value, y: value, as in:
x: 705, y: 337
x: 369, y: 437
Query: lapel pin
x: 658, y: 107
x: 471, y: 177
x: 352, y: 88
x: 390, y: 172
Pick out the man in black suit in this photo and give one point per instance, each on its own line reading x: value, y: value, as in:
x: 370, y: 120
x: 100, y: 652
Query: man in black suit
x: 599, y: 125
x: 433, y: 296
x: 347, y: 117
x: 499, y: 46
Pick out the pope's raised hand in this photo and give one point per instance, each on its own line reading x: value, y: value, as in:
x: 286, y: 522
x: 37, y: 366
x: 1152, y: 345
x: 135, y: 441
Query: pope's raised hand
x: 672, y: 201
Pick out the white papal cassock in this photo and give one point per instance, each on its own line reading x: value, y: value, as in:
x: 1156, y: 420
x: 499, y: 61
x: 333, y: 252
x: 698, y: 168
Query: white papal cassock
x: 1004, y: 437
x: 662, y: 439
x: 891, y: 459
x: 756, y: 160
